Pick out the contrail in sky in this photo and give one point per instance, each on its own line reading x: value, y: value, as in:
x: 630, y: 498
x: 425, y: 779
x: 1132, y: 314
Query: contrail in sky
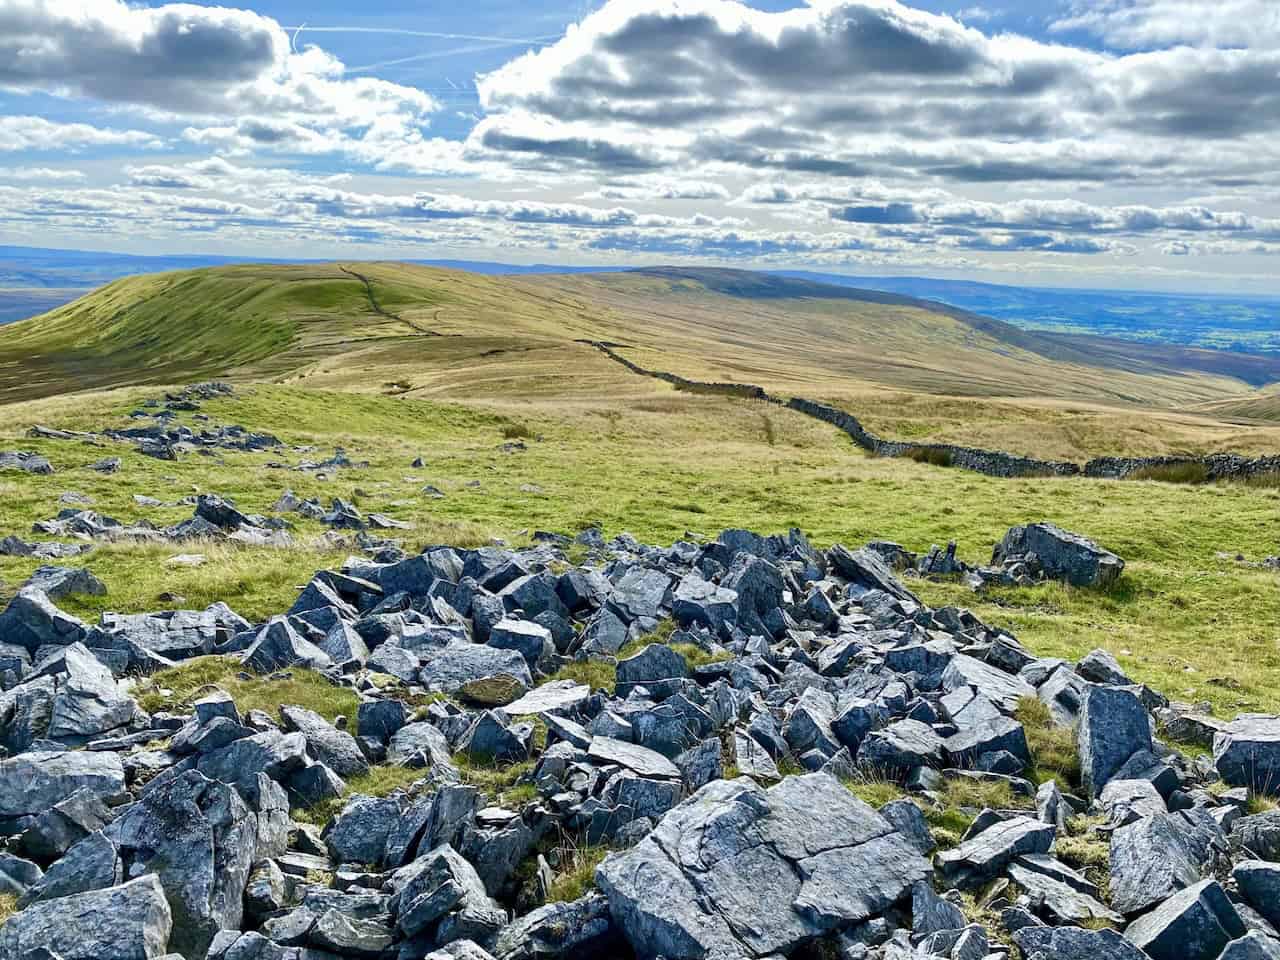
x: 424, y: 33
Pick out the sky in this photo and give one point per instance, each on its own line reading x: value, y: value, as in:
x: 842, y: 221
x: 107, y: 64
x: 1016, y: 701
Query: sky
x: 1092, y: 143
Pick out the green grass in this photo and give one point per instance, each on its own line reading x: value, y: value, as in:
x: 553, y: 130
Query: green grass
x: 1192, y: 472
x: 874, y: 791
x: 1053, y: 747
x: 497, y: 781
x: 176, y: 688
x: 381, y: 780
x: 576, y: 875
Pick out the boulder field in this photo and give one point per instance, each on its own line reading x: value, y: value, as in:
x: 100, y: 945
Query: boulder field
x: 708, y: 788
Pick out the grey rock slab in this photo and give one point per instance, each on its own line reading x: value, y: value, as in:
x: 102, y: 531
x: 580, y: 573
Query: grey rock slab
x: 32, y: 620
x: 1252, y: 946
x: 931, y: 914
x: 1259, y: 884
x: 461, y: 665
x: 737, y: 871
x: 32, y: 783
x: 335, y: 748
x: 127, y: 922
x: 645, y: 762
x: 558, y: 696
x: 1194, y: 924
x: 985, y: 856
x: 1154, y: 858
x: 1058, y: 902
x: 1005, y: 690
x: 559, y: 930
x: 360, y: 832
x: 422, y: 743
x: 200, y: 840
x: 279, y: 646
x: 1074, y: 943
x: 1063, y: 555
x: 1247, y: 753
x: 1113, y: 726
x: 58, y: 582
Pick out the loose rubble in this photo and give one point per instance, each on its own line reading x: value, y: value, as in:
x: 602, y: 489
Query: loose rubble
x: 758, y: 688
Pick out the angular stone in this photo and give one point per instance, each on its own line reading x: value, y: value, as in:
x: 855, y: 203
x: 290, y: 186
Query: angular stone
x: 931, y: 914
x: 900, y: 748
x: 1154, y: 858
x: 463, y: 665
x: 737, y: 871
x: 335, y: 748
x: 32, y: 783
x: 1195, y: 924
x: 360, y: 832
x: 31, y: 620
x: 279, y: 646
x: 1063, y: 556
x: 1259, y: 883
x: 1247, y: 753
x: 558, y: 696
x: 560, y: 930
x: 1005, y: 690
x: 645, y: 762
x: 419, y: 745
x: 442, y: 883
x: 985, y: 856
x: 1073, y: 943
x: 1114, y: 725
x: 657, y: 667
x: 128, y: 922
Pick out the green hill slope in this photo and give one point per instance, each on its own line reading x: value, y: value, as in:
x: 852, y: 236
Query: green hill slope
x: 362, y: 326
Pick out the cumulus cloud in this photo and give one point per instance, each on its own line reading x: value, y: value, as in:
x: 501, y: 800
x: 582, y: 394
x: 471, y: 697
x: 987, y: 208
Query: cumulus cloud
x: 36, y: 133
x: 1144, y: 24
x: 183, y: 59
x: 47, y: 174
x: 853, y: 88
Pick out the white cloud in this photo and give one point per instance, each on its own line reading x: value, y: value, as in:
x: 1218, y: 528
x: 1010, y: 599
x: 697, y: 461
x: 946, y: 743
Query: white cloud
x: 36, y: 133
x: 1145, y: 24
x: 46, y: 174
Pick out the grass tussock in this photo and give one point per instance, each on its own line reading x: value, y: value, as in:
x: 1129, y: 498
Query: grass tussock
x: 874, y: 791
x: 576, y: 874
x: 929, y: 455
x: 1264, y: 481
x: 177, y: 688
x: 499, y: 782
x: 517, y: 431
x: 1191, y: 472
x: 8, y: 906
x: 1053, y: 747
x: 1087, y: 850
x: 596, y: 674
x: 381, y: 781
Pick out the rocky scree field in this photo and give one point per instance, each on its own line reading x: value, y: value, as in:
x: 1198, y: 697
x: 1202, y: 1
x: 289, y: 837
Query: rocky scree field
x: 745, y: 747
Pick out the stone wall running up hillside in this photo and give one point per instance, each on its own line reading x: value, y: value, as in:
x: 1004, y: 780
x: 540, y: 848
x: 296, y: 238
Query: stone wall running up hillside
x: 993, y: 463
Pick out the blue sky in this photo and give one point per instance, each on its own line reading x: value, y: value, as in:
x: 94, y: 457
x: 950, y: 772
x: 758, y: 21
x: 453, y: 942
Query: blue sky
x: 1066, y: 142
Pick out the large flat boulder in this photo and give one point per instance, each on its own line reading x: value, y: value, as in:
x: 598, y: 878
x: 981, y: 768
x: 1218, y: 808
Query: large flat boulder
x: 128, y: 922
x: 737, y: 871
x: 1063, y: 555
x: 32, y: 783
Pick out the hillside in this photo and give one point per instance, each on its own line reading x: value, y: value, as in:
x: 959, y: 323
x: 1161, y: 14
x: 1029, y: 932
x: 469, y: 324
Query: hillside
x: 430, y: 332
